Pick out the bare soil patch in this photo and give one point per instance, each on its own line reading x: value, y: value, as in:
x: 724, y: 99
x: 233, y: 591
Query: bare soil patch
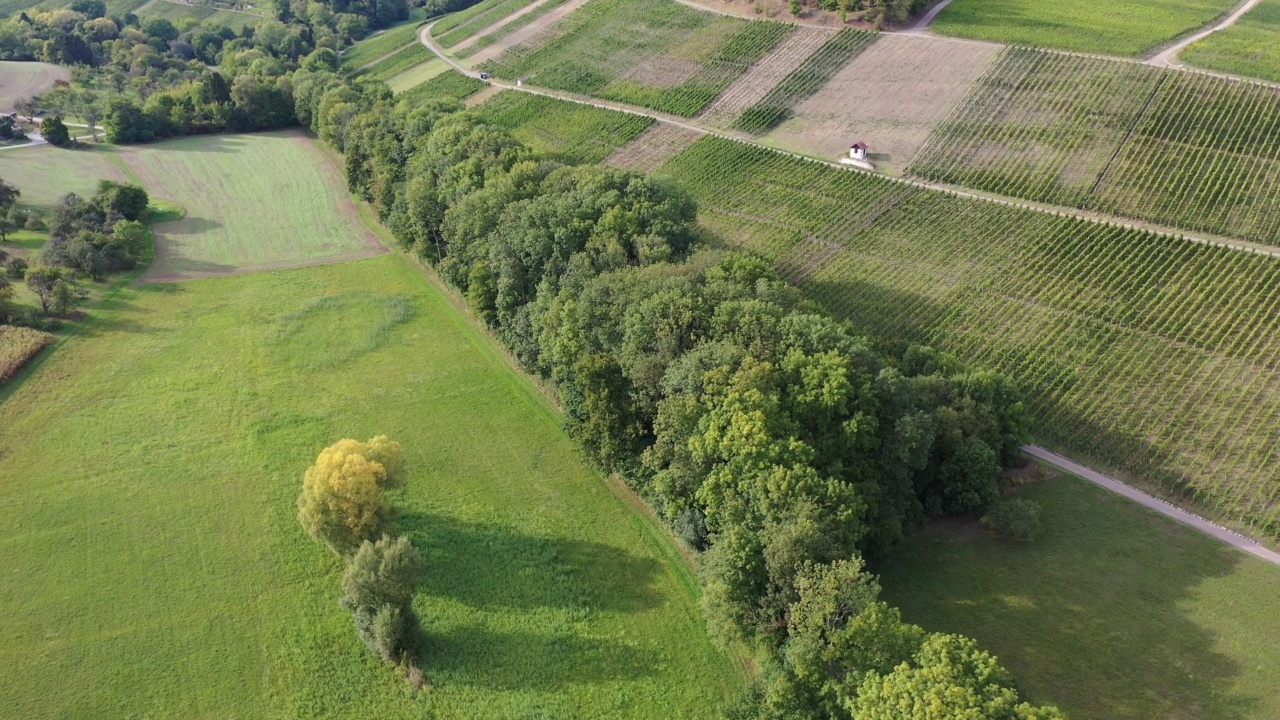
x: 891, y: 96
x: 492, y: 27
x: 765, y: 75
x: 662, y: 72
x: 525, y: 33
x: 482, y: 96
x: 650, y: 150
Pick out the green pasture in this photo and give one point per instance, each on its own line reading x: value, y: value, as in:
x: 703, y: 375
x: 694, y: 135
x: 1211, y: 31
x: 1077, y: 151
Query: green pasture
x: 1251, y: 47
x: 154, y: 566
x: 400, y: 62
x: 43, y: 173
x: 1115, y: 612
x: 416, y: 75
x: 1125, y: 27
x: 252, y: 202
x: 173, y: 12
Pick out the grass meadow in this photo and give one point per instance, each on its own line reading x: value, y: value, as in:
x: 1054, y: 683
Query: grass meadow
x: 252, y: 202
x: 43, y: 173
x: 174, y: 11
x: 24, y: 79
x: 1127, y: 27
x: 383, y: 43
x: 416, y: 75
x: 1115, y: 612
x: 154, y: 566
x: 1250, y: 48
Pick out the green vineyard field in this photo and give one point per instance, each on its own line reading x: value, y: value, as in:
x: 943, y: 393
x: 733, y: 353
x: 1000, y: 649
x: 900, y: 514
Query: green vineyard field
x: 569, y: 132
x: 651, y: 53
x: 1191, y: 151
x: 1152, y: 355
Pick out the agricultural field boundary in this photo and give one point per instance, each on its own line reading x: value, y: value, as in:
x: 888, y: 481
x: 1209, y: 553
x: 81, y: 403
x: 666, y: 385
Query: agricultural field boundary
x: 426, y: 39
x: 1166, y: 57
x: 1204, y: 525
x: 377, y: 60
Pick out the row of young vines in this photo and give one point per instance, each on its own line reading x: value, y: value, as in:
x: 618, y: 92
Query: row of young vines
x: 1152, y: 355
x: 1192, y: 151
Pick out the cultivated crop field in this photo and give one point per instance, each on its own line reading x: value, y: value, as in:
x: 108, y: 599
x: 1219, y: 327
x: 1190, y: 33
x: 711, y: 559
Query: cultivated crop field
x: 44, y: 173
x: 752, y: 87
x: 892, y: 96
x: 175, y: 11
x: 24, y: 79
x: 459, y: 26
x: 416, y: 75
x: 653, y: 148
x: 252, y: 202
x: 1151, y: 355
x: 154, y: 565
x: 448, y: 84
x: 652, y: 53
x: 490, y: 34
x: 1251, y: 47
x: 17, y: 346
x: 1126, y: 27
x: 569, y: 132
x: 1187, y: 150
x: 1114, y: 613
x: 404, y: 60
x: 384, y: 43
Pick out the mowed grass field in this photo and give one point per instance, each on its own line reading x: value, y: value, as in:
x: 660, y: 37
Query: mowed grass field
x: 1114, y: 613
x: 1127, y: 27
x: 1251, y: 47
x: 24, y: 79
x: 252, y: 202
x: 154, y: 566
x: 43, y: 173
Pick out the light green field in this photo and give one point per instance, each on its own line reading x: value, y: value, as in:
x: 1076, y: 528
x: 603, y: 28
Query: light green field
x: 174, y: 12
x: 24, y: 79
x: 1115, y: 612
x: 569, y: 132
x: 416, y: 75
x: 402, y: 61
x: 154, y: 566
x: 44, y: 173
x: 384, y: 43
x: 253, y: 202
x: 1126, y: 27
x: 1251, y: 47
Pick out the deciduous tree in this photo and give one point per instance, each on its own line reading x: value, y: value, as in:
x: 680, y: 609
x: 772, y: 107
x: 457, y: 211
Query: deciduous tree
x: 342, y: 500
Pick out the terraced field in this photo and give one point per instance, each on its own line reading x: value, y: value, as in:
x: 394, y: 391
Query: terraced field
x: 1187, y: 150
x: 503, y: 28
x: 1148, y: 354
x: 651, y: 53
x: 758, y: 82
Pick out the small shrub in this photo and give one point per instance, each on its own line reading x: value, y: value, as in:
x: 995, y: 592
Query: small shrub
x: 1016, y: 518
x: 16, y: 268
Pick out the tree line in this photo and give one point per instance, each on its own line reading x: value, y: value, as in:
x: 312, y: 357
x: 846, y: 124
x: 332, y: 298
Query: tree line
x: 777, y: 441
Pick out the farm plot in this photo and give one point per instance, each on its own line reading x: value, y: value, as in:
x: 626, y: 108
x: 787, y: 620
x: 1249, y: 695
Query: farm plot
x: 461, y: 25
x: 205, y: 15
x: 1040, y: 126
x: 150, y: 472
x: 382, y: 44
x: 522, y: 18
x: 404, y: 60
x: 652, y: 53
x: 1114, y: 613
x: 891, y: 96
x: 1151, y: 355
x: 1125, y: 27
x: 416, y: 75
x: 765, y: 75
x: 1250, y: 48
x: 253, y: 202
x: 448, y: 84
x: 17, y: 346
x: 650, y: 150
x: 803, y: 81
x: 1188, y: 150
x: 24, y: 79
x: 44, y: 173
x: 573, y: 133
x: 544, y: 27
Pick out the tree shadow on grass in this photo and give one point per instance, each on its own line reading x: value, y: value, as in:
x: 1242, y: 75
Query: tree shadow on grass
x: 1090, y: 616
x: 189, y: 225
x: 529, y: 661
x: 489, y: 566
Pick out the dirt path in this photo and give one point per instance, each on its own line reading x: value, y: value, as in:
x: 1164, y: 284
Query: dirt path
x: 494, y: 26
x: 1207, y: 527
x: 1166, y: 57
x: 927, y: 19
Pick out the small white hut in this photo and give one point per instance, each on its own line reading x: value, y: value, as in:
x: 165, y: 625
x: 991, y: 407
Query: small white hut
x: 858, y: 151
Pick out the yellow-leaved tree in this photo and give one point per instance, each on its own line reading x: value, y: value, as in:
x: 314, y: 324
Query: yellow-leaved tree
x: 342, y: 501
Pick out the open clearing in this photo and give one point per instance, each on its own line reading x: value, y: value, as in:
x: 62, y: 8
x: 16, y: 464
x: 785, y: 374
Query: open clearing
x: 1126, y: 27
x: 1251, y: 47
x: 175, y: 11
x: 253, y: 202
x: 154, y: 565
x: 24, y: 79
x: 1115, y: 613
x: 891, y: 96
x: 44, y: 173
